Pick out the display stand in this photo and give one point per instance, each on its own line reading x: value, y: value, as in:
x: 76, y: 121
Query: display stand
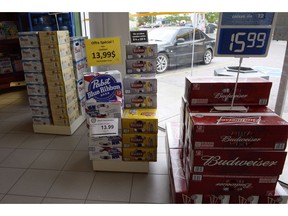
x: 121, y: 166
x: 61, y: 130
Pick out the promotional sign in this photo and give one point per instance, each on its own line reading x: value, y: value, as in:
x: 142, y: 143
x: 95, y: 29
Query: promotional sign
x: 139, y: 36
x: 244, y: 34
x: 105, y: 127
x: 103, y: 51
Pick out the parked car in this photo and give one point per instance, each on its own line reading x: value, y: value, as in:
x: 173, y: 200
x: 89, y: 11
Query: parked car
x: 175, y: 45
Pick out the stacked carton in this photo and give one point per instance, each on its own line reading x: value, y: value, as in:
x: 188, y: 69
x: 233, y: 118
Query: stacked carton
x: 139, y: 121
x: 104, y: 99
x: 35, y: 79
x: 80, y: 66
x: 58, y: 67
x: 227, y: 154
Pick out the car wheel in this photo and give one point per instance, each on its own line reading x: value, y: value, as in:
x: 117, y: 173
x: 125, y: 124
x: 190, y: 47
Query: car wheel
x: 162, y: 63
x: 207, y: 58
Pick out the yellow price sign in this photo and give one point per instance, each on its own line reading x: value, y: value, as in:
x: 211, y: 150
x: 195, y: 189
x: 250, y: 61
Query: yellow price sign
x: 103, y: 51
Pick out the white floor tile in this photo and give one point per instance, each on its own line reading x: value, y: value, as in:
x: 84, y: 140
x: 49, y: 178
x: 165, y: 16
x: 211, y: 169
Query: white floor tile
x: 4, y: 153
x: 111, y: 186
x: 37, y: 141
x: 1, y: 196
x: 104, y: 202
x: 64, y: 142
x: 79, y: 161
x: 62, y: 201
x: 160, y: 166
x: 21, y: 158
x: 26, y: 127
x: 12, y: 140
x: 8, y: 178
x: 73, y: 185
x: 34, y: 183
x: 6, y: 127
x: 83, y: 143
x: 150, y: 188
x: 51, y: 159
x: 161, y: 148
x: 15, y: 199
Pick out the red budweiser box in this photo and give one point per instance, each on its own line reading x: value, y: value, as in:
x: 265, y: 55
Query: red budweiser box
x: 265, y: 131
x: 230, y: 184
x: 234, y: 162
x: 209, y: 91
x: 180, y: 193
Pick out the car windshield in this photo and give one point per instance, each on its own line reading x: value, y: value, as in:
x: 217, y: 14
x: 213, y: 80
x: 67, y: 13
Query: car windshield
x: 161, y: 34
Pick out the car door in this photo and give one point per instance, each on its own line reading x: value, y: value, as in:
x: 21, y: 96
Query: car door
x: 183, y: 46
x: 199, y: 46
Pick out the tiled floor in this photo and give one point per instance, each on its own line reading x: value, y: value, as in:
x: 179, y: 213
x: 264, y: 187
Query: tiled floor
x: 47, y: 168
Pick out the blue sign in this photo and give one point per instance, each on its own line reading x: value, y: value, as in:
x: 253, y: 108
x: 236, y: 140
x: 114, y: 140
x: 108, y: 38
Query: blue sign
x: 244, y: 34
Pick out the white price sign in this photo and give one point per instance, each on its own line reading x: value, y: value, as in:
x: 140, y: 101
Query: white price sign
x: 104, y: 126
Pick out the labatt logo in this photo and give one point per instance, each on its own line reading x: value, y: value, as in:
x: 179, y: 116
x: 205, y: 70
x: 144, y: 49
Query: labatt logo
x: 103, y: 88
x: 140, y: 64
x: 137, y: 85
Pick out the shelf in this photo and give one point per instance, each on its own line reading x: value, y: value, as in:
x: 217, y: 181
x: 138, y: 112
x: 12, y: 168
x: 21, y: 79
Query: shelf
x: 60, y: 130
x: 121, y: 166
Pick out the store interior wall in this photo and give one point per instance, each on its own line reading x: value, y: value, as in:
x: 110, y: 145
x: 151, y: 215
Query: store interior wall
x: 110, y: 25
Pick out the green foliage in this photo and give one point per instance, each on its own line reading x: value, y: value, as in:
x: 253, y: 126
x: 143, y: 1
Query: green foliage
x: 177, y: 18
x: 212, y: 17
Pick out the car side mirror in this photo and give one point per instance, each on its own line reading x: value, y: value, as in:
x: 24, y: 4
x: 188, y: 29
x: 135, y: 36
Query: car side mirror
x: 180, y: 40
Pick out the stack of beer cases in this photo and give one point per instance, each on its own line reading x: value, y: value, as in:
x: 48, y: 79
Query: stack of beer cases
x: 228, y: 154
x: 35, y: 78
x: 104, y: 102
x: 80, y: 66
x: 58, y: 67
x: 139, y: 120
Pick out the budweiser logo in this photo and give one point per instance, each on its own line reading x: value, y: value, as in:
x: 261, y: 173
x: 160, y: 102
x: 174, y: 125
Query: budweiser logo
x: 235, y: 185
x: 239, y: 120
x: 218, y: 161
x: 246, y: 140
x: 228, y: 96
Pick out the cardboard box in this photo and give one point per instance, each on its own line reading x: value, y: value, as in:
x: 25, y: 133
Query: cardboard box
x: 32, y: 66
x: 60, y: 76
x: 61, y: 88
x: 39, y: 100
x: 104, y: 109
x: 140, y: 85
x: 31, y: 53
x: 105, y: 141
x: 266, y: 131
x: 141, y: 66
x: 5, y: 66
x: 55, y: 63
x: 246, y: 162
x: 140, y: 101
x: 280, y: 196
x: 80, y: 88
x: 55, y: 50
x: 41, y: 120
x: 65, y: 111
x: 40, y: 111
x: 105, y: 153
x: 139, y: 154
x: 36, y: 89
x: 103, y: 86
x: 140, y: 51
x: 78, y: 49
x: 54, y: 37
x: 65, y: 120
x: 82, y: 104
x: 140, y: 140
x: 63, y: 98
x: 210, y: 91
x: 80, y: 67
x: 29, y: 39
x: 34, y: 78
x: 139, y: 121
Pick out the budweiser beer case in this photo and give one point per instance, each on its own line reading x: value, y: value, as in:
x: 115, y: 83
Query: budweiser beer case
x: 216, y: 189
x: 234, y: 162
x: 265, y: 131
x: 250, y: 91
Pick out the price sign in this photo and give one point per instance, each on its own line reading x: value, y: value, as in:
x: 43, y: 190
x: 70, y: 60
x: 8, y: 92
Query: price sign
x: 244, y: 34
x: 103, y: 51
x: 104, y: 126
x: 139, y: 36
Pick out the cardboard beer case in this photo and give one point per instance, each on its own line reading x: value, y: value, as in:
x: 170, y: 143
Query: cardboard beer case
x: 251, y: 130
x: 209, y: 91
x: 139, y: 140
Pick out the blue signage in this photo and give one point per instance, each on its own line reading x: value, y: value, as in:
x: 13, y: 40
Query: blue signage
x: 244, y: 34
